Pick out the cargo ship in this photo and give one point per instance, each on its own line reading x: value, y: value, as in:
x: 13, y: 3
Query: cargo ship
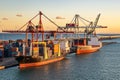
x: 85, y: 46
x: 41, y: 53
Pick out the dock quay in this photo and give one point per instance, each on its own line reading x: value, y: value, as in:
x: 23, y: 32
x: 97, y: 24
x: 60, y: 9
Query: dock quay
x: 8, y: 62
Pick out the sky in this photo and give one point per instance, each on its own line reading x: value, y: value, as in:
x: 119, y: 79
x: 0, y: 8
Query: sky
x: 15, y: 13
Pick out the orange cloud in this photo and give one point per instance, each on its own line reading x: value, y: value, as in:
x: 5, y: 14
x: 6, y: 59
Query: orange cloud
x: 19, y: 15
x: 59, y: 17
x: 4, y: 18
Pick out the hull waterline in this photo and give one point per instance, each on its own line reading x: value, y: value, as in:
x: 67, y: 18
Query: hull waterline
x: 87, y: 50
x: 37, y: 64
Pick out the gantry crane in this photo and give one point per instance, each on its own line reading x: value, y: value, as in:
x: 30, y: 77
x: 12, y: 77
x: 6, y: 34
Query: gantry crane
x: 89, y: 28
x: 35, y: 30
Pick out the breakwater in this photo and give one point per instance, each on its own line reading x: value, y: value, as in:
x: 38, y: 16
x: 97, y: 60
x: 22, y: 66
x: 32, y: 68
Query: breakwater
x: 108, y: 37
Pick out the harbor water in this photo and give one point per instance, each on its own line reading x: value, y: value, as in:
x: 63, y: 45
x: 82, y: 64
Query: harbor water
x: 101, y: 65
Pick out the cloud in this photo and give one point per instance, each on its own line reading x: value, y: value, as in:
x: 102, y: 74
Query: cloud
x: 4, y: 18
x: 59, y: 17
x: 19, y: 15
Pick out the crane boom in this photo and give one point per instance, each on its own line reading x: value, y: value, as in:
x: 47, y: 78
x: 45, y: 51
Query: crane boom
x: 96, y: 21
x: 52, y: 22
x: 92, y: 29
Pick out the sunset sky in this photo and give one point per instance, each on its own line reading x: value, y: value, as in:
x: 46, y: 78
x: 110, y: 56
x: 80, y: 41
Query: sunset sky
x: 15, y: 13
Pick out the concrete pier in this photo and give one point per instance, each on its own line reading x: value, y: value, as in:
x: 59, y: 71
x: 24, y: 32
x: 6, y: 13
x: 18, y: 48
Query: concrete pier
x: 8, y: 62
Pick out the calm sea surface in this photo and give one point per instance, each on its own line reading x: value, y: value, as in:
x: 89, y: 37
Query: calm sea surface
x: 101, y: 65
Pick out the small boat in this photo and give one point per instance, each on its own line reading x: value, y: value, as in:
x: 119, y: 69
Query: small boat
x: 84, y: 46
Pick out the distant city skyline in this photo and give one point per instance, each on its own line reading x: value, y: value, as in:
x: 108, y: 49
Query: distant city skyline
x: 15, y: 13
